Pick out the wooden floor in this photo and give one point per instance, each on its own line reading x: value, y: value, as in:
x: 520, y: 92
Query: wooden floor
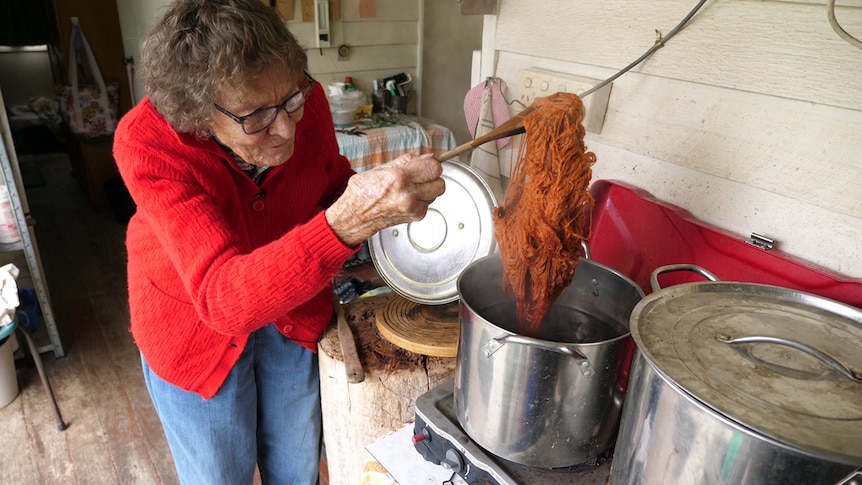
x: 113, y: 435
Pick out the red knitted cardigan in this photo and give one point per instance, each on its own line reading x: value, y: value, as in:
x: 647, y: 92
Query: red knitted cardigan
x: 213, y: 257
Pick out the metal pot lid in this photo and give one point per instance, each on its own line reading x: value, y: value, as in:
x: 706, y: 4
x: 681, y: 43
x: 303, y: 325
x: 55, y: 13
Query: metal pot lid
x: 422, y: 260
x: 783, y: 363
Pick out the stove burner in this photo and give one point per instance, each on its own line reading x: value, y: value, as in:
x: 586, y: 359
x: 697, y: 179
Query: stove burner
x: 439, y: 438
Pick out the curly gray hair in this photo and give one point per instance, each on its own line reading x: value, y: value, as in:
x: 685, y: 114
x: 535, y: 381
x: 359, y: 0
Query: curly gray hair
x: 200, y: 49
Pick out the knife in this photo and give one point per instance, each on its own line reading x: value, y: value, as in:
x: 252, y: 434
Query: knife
x: 352, y: 365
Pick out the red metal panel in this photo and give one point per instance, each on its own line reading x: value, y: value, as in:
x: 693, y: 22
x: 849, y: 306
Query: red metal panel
x: 634, y: 233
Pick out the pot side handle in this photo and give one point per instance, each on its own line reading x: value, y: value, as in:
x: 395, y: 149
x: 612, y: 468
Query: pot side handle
x: 495, y: 344
x: 678, y: 267
x: 586, y: 248
x: 851, y: 479
x: 822, y: 356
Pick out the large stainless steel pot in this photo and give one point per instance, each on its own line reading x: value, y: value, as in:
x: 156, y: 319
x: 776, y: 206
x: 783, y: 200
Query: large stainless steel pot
x: 553, y: 400
x: 741, y: 383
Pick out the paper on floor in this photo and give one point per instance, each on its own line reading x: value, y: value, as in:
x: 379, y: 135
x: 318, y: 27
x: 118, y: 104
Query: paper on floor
x: 395, y: 452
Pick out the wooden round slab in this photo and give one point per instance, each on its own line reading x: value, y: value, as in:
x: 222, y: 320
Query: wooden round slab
x: 425, y: 329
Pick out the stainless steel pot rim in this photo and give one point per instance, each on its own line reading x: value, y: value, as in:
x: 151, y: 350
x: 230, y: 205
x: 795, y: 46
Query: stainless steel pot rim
x: 746, y: 351
x: 581, y: 260
x: 422, y: 261
x: 540, y: 342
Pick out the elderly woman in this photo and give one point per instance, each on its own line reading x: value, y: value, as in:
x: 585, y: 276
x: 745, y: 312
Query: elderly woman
x: 245, y: 213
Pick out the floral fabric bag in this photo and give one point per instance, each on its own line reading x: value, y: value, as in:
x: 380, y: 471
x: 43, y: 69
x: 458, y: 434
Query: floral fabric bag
x: 89, y: 109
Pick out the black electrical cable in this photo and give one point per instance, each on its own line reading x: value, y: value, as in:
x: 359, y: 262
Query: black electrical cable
x: 830, y: 13
x: 659, y: 43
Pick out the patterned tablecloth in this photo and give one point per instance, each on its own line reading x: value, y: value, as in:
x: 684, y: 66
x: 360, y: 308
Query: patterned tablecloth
x: 376, y: 146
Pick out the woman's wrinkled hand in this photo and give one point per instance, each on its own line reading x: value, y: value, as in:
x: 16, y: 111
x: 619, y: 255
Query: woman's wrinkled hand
x: 391, y: 194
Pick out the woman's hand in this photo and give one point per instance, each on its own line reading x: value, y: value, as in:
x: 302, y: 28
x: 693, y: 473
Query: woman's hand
x: 391, y: 194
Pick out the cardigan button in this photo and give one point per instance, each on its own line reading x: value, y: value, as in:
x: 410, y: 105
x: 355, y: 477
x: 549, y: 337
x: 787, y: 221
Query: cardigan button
x: 258, y: 205
x: 287, y: 329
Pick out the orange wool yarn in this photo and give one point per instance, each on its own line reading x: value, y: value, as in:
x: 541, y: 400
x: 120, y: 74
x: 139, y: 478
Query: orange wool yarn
x: 540, y: 225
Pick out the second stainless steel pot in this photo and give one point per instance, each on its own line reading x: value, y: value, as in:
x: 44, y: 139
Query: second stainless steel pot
x: 741, y: 383
x: 555, y: 400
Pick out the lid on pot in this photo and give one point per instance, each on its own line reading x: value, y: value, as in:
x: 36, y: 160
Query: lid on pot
x: 422, y: 260
x: 783, y: 363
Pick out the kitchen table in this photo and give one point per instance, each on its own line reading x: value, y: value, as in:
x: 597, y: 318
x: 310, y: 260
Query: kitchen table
x: 367, y: 148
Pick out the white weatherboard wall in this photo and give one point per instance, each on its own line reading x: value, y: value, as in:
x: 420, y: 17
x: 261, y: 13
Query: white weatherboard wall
x: 430, y: 40
x: 380, y: 47
x: 750, y: 117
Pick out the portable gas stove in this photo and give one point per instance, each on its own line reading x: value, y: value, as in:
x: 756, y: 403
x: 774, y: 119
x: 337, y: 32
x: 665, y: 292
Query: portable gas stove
x: 440, y: 439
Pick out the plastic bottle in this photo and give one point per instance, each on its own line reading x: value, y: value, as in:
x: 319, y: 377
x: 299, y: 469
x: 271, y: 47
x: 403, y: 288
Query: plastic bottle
x: 348, y: 84
x: 376, y: 98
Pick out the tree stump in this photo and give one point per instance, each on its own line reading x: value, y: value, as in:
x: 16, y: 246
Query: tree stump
x: 357, y: 415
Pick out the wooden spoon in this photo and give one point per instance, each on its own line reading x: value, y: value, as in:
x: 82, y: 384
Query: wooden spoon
x: 514, y: 126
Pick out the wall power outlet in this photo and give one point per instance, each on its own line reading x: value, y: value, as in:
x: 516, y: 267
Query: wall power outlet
x: 536, y: 83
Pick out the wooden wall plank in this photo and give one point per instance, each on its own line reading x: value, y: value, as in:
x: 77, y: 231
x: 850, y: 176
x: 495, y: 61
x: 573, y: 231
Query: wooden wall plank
x: 788, y: 42
x: 358, y: 34
x: 380, y: 33
x: 380, y: 47
x: 814, y: 233
x: 363, y: 59
x: 364, y: 66
x: 285, y: 9
x: 740, y: 136
x: 479, y: 7
x: 755, y: 103
x: 307, y: 10
x: 385, y: 10
x: 367, y: 9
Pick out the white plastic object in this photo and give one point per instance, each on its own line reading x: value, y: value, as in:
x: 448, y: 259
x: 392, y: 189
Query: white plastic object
x: 321, y: 23
x: 8, y: 226
x: 8, y: 376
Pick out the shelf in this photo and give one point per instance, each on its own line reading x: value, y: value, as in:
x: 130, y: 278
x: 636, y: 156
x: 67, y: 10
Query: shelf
x: 27, y: 244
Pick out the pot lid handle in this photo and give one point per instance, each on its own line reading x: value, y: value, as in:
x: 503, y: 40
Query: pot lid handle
x: 494, y: 345
x: 679, y: 267
x: 822, y: 356
x: 851, y: 479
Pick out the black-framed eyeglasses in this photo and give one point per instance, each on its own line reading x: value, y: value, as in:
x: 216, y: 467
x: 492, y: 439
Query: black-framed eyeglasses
x: 264, y: 117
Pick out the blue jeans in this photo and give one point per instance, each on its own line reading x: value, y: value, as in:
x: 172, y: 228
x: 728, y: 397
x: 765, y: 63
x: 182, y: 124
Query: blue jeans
x: 267, y: 413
